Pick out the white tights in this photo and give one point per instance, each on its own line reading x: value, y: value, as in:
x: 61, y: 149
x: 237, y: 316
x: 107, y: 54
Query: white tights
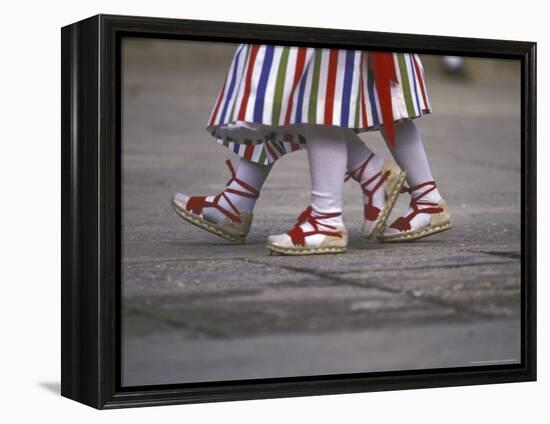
x: 331, y: 152
x: 327, y: 155
x: 410, y: 155
x: 254, y: 175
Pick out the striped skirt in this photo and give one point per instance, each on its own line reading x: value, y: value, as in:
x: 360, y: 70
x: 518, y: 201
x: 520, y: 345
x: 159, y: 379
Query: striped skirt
x: 271, y: 92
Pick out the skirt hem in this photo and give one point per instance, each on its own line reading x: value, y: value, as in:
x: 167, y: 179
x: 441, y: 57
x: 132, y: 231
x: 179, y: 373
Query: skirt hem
x: 265, y: 144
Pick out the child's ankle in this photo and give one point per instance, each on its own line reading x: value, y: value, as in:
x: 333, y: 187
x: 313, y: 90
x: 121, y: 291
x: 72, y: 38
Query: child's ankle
x: 432, y: 196
x: 373, y: 162
x: 243, y: 205
x: 331, y: 217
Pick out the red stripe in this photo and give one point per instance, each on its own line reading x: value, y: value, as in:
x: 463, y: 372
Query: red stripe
x: 420, y: 80
x: 331, y: 85
x: 362, y: 88
x: 218, y: 103
x: 248, y: 152
x: 294, y: 146
x: 246, y: 95
x: 300, y: 62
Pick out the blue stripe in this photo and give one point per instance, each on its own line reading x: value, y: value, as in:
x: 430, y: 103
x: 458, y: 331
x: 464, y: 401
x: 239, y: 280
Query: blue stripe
x: 372, y: 99
x: 301, y: 90
x: 229, y: 93
x: 236, y: 147
x: 264, y: 76
x: 414, y: 81
x: 348, y: 73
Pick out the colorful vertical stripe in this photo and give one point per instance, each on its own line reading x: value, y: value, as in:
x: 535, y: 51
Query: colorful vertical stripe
x: 262, y: 84
x: 346, y: 94
x: 270, y: 91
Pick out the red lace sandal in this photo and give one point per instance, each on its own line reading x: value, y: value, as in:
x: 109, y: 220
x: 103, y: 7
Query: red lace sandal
x: 402, y: 229
x: 309, y: 223
x: 390, y: 178
x: 236, y: 225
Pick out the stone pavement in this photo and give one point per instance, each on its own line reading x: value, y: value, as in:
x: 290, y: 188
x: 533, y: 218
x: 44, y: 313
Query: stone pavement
x: 196, y: 308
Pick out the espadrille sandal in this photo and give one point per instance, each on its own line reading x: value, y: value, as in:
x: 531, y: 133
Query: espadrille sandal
x: 440, y: 220
x: 310, y: 237
x: 234, y: 227
x: 390, y: 178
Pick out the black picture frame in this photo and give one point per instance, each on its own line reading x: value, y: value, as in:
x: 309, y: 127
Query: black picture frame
x: 91, y: 215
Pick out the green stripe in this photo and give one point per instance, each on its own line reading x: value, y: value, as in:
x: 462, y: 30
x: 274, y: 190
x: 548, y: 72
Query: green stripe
x: 263, y: 156
x: 312, y: 107
x: 357, y: 106
x: 405, y: 83
x: 235, y: 94
x: 280, y: 86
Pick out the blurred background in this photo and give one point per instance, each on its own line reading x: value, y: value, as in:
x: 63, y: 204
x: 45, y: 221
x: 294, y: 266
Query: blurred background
x: 196, y: 308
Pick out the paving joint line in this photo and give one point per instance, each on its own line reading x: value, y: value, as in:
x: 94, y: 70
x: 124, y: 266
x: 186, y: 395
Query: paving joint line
x: 409, y: 293
x: 509, y: 254
x: 174, y: 323
x: 416, y: 268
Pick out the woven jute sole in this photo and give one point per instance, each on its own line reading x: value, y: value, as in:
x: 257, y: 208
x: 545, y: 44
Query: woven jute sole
x: 417, y: 234
x: 390, y: 203
x: 205, y: 225
x: 306, y: 251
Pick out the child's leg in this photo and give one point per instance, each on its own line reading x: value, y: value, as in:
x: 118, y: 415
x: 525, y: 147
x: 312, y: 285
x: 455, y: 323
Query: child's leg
x: 320, y: 229
x: 358, y: 154
x: 380, y: 179
x: 327, y: 156
x: 409, y: 153
x: 248, y: 172
x: 427, y: 213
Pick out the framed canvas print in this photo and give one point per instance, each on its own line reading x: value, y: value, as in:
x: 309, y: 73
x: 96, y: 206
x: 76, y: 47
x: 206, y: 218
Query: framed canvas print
x: 255, y: 211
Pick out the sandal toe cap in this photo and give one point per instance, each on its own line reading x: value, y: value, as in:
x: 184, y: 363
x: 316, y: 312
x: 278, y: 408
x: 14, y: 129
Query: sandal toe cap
x: 280, y: 240
x: 180, y: 199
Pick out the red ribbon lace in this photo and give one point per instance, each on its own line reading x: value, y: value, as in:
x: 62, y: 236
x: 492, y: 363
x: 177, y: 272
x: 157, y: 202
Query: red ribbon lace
x: 298, y: 235
x: 404, y: 223
x: 371, y: 212
x: 383, y: 68
x: 196, y: 204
